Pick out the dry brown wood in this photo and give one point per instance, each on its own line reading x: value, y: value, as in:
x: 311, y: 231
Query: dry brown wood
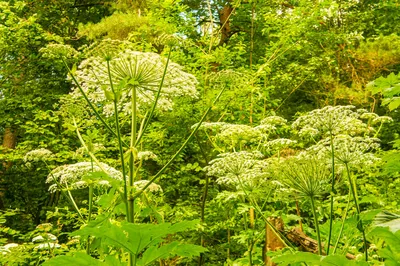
x: 309, y: 244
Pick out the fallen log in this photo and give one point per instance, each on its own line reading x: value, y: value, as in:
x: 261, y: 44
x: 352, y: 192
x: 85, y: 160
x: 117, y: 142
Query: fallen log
x: 297, y: 237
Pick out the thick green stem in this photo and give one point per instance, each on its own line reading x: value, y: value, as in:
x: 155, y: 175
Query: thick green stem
x: 203, y: 200
x: 74, y: 204
x: 332, y: 193
x: 316, y: 225
x: 360, y: 227
x: 90, y: 202
x: 342, y: 226
x: 121, y: 151
x: 90, y: 214
x: 131, y: 200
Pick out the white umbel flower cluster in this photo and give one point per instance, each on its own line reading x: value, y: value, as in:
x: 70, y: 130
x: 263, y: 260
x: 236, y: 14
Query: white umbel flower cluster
x: 152, y: 188
x: 331, y: 119
x: 71, y: 175
x: 271, y: 123
x: 278, y: 144
x: 6, y: 248
x: 133, y: 70
x: 238, y: 168
x: 355, y: 151
x: 146, y: 155
x: 234, y: 134
x: 38, y: 155
x: 47, y: 237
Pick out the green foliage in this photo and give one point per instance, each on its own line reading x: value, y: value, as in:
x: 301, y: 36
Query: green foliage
x: 271, y: 58
x: 390, y: 250
x: 313, y: 259
x: 143, y: 241
x: 389, y: 88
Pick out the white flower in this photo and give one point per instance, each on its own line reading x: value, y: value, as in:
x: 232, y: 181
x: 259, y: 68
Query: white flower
x: 47, y: 246
x: 57, y: 51
x: 71, y: 175
x: 273, y: 120
x: 40, y: 238
x: 133, y: 70
x: 382, y: 120
x: 368, y: 115
x: 354, y: 151
x: 238, y: 168
x: 38, y: 155
x: 278, y: 144
x: 152, y: 188
x: 146, y: 155
x: 6, y: 248
x: 334, y: 119
x: 232, y: 134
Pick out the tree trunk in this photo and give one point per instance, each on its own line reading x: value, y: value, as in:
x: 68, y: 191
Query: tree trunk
x: 224, y: 15
x: 9, y: 142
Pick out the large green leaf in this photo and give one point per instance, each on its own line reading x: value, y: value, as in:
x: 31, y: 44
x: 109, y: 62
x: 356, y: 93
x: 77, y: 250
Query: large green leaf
x: 307, y: 257
x: 142, y: 239
x: 169, y: 250
x: 142, y: 236
x: 314, y: 259
x: 78, y: 259
x: 391, y: 250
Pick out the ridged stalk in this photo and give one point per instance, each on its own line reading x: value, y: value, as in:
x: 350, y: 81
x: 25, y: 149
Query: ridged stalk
x: 316, y: 225
x: 332, y: 193
x: 360, y: 227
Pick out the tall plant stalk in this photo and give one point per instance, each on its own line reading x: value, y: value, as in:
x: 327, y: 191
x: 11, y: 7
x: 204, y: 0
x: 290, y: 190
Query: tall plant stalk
x: 316, y: 225
x: 119, y: 138
x: 132, y: 155
x: 360, y: 226
x: 342, y: 226
x: 332, y: 193
x: 128, y: 180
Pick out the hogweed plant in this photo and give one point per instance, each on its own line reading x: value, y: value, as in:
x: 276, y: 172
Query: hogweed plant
x: 241, y: 172
x: 240, y: 166
x: 309, y: 177
x: 335, y: 130
x: 130, y: 87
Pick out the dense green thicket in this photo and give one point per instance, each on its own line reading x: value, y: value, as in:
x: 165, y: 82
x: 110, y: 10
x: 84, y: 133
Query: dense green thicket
x: 186, y: 132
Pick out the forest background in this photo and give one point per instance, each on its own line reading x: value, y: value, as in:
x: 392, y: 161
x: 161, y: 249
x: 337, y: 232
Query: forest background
x: 263, y: 70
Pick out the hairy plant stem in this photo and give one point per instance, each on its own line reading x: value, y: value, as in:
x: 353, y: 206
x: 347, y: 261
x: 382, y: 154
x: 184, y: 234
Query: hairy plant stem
x: 360, y: 227
x: 90, y: 214
x: 131, y: 201
x: 121, y: 150
x: 332, y: 193
x: 131, y: 261
x: 342, y: 226
x: 316, y: 225
x: 90, y: 209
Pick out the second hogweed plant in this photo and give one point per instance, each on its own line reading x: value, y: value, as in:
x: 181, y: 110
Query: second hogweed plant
x: 129, y: 86
x: 335, y: 141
